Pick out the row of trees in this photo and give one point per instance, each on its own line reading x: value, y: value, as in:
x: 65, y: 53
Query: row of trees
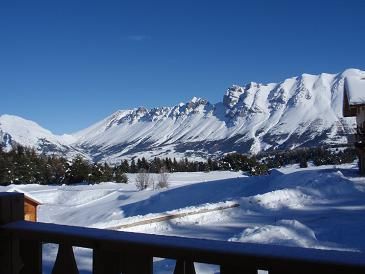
x: 232, y: 161
x: 171, y: 165
x: 253, y: 165
x: 317, y: 156
x: 24, y: 165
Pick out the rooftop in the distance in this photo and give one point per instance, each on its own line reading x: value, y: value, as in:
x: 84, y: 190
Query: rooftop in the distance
x: 26, y: 195
x: 355, y: 89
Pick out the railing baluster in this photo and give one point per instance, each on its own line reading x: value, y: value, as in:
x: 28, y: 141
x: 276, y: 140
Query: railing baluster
x: 105, y: 261
x: 184, y: 267
x: 11, y: 210
x: 132, y: 253
x: 227, y: 269
x: 65, y: 261
x: 31, y: 254
x: 109, y: 262
x: 137, y: 264
x: 299, y: 270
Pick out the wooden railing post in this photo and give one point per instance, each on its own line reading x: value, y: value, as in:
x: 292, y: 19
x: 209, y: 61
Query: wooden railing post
x: 11, y: 210
x: 111, y: 262
x: 118, y: 252
x: 184, y: 267
x: 31, y: 254
x: 237, y: 270
x: 105, y: 261
x: 65, y: 260
x: 137, y: 264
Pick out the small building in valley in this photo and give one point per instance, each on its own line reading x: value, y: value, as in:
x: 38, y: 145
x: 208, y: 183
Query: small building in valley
x: 354, y: 106
x: 30, y: 205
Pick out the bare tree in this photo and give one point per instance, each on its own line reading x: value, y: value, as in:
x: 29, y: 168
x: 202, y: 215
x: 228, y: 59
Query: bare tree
x: 142, y: 179
x: 163, y: 178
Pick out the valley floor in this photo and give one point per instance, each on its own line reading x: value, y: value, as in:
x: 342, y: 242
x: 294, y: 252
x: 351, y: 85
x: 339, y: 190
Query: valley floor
x: 316, y: 207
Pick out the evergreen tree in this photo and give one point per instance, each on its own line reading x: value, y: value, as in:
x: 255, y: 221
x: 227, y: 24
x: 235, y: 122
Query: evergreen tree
x: 174, y: 166
x: 107, y: 173
x: 119, y: 175
x: 144, y: 164
x: 133, y: 167
x: 139, y: 164
x: 79, y: 170
x: 124, y: 166
x: 303, y: 163
x: 155, y: 165
x: 96, y: 173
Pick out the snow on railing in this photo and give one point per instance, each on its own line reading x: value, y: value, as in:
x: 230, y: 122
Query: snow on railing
x: 125, y: 252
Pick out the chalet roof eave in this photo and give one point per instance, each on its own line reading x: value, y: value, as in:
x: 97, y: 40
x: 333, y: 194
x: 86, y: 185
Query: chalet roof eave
x: 26, y: 195
x: 354, y: 88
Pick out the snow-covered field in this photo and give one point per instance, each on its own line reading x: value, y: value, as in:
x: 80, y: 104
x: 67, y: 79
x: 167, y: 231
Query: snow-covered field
x: 317, y: 207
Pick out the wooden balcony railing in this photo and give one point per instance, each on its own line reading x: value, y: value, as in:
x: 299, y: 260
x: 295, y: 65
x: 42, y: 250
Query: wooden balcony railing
x: 116, y: 252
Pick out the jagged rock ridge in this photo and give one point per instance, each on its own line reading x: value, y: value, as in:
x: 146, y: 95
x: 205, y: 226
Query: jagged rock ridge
x: 300, y: 111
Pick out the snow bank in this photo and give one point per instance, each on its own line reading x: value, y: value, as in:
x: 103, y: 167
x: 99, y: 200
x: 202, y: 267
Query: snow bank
x: 355, y: 87
x: 74, y: 197
x: 317, y: 207
x: 284, y: 232
x: 283, y: 198
x: 191, y: 210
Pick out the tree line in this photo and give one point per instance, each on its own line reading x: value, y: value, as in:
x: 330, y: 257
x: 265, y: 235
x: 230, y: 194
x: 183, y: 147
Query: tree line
x: 23, y: 165
x: 317, y: 156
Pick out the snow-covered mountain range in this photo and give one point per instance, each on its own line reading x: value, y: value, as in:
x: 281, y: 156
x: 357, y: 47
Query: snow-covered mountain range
x: 297, y: 112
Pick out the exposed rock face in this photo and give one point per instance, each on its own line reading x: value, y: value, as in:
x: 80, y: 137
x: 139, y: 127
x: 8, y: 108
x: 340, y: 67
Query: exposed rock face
x: 300, y: 111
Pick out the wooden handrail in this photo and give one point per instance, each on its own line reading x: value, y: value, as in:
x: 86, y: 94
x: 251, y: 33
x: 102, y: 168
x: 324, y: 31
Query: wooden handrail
x: 132, y: 253
x: 197, y: 250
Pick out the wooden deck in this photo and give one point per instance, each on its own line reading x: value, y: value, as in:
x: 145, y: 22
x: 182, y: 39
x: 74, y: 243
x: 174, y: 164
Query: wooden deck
x: 116, y: 252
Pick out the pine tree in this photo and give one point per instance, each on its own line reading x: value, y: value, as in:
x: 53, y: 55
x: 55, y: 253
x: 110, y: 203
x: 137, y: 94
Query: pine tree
x: 133, y: 167
x: 79, y: 170
x: 96, y: 173
x: 174, y: 165
x: 107, y: 173
x: 155, y: 165
x: 124, y: 166
x: 119, y: 175
x: 139, y: 164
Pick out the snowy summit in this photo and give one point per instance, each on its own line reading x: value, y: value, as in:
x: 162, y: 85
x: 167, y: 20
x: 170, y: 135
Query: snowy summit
x: 301, y: 111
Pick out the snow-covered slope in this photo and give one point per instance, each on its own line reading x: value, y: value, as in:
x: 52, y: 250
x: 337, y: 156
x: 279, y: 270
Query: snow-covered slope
x: 300, y: 111
x: 314, y: 207
x: 16, y: 130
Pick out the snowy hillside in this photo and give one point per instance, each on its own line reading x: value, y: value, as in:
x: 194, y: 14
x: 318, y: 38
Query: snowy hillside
x: 300, y: 111
x: 28, y: 133
x: 316, y: 207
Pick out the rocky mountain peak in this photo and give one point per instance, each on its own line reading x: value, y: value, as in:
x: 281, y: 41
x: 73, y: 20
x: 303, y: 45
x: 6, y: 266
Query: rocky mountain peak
x: 299, y: 111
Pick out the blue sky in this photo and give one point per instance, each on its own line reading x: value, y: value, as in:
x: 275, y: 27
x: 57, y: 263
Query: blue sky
x: 67, y: 64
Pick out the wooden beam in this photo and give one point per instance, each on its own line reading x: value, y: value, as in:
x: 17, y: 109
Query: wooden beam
x: 184, y: 266
x: 31, y: 254
x: 226, y: 269
x: 65, y: 261
x: 231, y: 254
x: 11, y: 210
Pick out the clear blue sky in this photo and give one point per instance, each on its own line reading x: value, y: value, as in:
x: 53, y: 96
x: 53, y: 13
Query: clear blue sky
x: 67, y: 64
